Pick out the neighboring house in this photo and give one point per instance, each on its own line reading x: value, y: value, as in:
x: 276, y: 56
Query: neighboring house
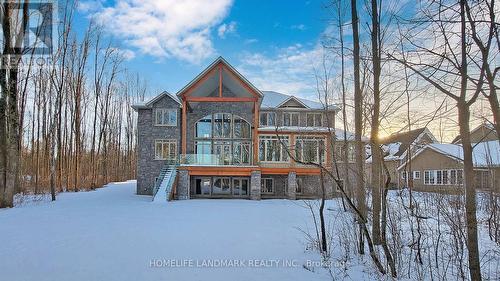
x: 439, y: 167
x: 396, y: 148
x: 482, y: 133
x: 225, y: 138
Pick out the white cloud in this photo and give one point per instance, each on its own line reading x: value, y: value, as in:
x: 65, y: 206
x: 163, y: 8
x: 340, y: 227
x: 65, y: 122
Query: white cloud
x: 300, y: 27
x: 291, y: 70
x: 225, y: 29
x: 167, y: 28
x: 250, y: 41
x: 90, y: 6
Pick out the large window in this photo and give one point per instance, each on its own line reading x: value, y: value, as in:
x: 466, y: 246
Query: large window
x: 314, y: 119
x: 268, y: 119
x: 443, y: 177
x: 226, y: 135
x: 240, y: 186
x: 273, y: 149
x: 165, y: 149
x: 165, y: 117
x: 310, y: 149
x: 290, y: 119
x: 222, y: 186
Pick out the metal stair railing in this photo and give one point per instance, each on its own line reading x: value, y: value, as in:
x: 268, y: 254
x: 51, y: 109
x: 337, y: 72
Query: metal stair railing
x: 169, y: 167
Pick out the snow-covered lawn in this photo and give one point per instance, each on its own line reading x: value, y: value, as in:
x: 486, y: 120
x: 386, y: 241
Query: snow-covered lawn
x: 113, y: 234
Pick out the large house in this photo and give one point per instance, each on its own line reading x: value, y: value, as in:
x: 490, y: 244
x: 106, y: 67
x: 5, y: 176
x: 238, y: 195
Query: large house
x: 221, y: 137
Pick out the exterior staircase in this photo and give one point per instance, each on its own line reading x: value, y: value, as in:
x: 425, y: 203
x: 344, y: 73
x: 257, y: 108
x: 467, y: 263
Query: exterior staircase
x: 165, y: 182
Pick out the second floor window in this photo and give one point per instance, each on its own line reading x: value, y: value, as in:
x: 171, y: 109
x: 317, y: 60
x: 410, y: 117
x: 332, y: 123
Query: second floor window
x: 310, y: 149
x: 314, y: 119
x: 267, y: 119
x: 290, y: 119
x: 272, y: 149
x: 165, y: 117
x: 165, y: 149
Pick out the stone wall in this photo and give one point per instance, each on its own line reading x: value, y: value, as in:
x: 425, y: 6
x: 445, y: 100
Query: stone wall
x: 147, y: 167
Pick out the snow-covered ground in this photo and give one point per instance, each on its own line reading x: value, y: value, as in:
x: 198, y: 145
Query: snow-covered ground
x: 113, y: 234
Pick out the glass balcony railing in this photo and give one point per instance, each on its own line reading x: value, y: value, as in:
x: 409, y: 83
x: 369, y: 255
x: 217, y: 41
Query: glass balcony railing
x: 211, y: 160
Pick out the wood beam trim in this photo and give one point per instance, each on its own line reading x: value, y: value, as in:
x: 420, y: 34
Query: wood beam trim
x: 197, y: 83
x: 256, y: 133
x: 242, y: 83
x: 220, y: 81
x: 184, y: 126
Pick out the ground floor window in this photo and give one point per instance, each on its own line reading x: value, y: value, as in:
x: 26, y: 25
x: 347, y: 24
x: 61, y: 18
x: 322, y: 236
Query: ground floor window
x: 240, y: 186
x: 203, y: 186
x: 221, y: 186
x: 443, y: 177
x: 267, y: 186
x: 207, y: 186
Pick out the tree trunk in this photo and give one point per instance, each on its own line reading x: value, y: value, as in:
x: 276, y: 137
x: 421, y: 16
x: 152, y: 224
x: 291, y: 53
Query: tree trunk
x: 374, y: 136
x: 358, y: 120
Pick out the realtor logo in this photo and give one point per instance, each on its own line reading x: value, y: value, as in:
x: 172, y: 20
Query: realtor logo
x: 32, y: 31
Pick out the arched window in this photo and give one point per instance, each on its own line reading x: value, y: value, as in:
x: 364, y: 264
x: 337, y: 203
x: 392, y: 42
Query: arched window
x: 226, y: 135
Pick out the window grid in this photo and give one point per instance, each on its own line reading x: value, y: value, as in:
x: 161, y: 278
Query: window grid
x: 314, y: 119
x: 165, y: 117
x: 267, y: 186
x: 291, y: 119
x: 443, y: 177
x: 267, y: 119
x: 165, y: 149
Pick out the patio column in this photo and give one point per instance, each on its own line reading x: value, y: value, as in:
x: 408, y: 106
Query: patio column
x: 292, y: 186
x: 183, y: 185
x: 255, y: 183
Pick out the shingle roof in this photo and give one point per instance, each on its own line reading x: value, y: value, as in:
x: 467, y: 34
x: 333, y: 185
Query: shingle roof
x: 484, y: 154
x: 398, y: 143
x: 274, y: 99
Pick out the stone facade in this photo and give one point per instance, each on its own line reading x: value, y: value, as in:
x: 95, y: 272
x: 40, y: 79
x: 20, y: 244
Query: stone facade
x: 183, y: 185
x: 292, y: 186
x: 255, y: 181
x: 147, y: 167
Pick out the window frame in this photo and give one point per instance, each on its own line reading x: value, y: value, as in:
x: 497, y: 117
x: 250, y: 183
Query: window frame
x: 291, y: 113
x: 283, y: 153
x: 314, y: 119
x: 267, y: 118
x: 169, y: 142
x: 165, y: 110
x: 453, y: 177
x: 262, y: 180
x: 301, y: 138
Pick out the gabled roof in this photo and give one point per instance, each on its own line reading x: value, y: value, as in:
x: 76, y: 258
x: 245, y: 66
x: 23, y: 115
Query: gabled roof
x: 397, y: 144
x: 488, y: 127
x: 206, y: 71
x: 292, y: 98
x: 484, y: 154
x: 149, y: 103
x: 273, y: 100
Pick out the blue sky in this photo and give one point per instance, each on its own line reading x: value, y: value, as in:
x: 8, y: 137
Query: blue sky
x: 273, y: 43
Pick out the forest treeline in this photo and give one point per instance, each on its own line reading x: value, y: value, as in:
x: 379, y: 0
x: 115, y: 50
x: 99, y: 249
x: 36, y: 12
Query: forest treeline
x: 65, y: 124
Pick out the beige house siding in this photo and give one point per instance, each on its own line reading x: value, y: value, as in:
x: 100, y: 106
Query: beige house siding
x: 432, y: 160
